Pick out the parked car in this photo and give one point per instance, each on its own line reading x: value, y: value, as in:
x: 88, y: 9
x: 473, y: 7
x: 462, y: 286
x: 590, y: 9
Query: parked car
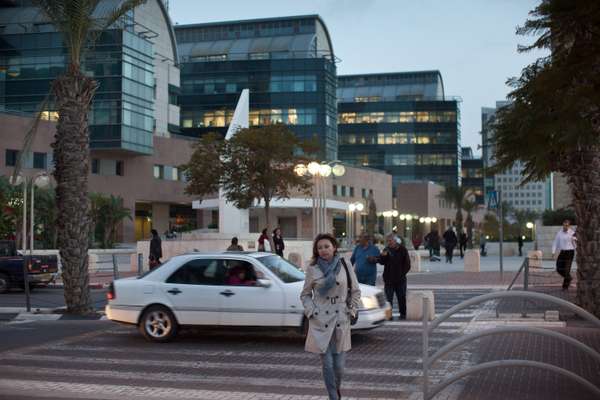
x: 223, y: 289
x: 43, y: 269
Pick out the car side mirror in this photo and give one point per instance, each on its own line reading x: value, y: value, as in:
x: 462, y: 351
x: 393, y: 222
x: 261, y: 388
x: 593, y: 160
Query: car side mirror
x: 266, y: 283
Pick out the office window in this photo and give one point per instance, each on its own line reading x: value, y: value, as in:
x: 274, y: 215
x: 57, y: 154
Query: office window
x: 11, y: 157
x: 39, y: 160
x: 363, y: 193
x: 120, y: 168
x: 159, y: 171
x: 351, y: 191
x: 343, y: 191
x: 95, y: 166
x: 334, y: 190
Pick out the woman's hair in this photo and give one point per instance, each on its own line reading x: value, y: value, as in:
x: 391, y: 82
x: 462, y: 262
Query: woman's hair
x: 154, y: 232
x: 321, y: 236
x: 275, y: 231
x: 264, y: 231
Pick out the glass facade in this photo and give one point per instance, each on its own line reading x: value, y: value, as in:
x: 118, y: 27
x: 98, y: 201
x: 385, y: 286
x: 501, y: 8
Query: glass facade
x: 291, y: 76
x: 122, y: 115
x: 400, y: 123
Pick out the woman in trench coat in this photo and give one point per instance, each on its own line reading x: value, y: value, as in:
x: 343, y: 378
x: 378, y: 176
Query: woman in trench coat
x: 328, y: 310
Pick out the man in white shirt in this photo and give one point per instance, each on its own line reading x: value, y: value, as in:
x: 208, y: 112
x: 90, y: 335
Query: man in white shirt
x: 564, y: 243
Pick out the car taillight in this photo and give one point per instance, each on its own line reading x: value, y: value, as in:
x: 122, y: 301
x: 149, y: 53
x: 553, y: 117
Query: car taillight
x: 110, y: 294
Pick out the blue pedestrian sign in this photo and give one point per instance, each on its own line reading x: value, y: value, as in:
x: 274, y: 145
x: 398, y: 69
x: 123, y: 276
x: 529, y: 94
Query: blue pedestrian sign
x: 493, y: 200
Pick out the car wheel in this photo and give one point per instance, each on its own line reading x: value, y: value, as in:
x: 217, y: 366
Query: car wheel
x: 4, y: 283
x: 158, y: 324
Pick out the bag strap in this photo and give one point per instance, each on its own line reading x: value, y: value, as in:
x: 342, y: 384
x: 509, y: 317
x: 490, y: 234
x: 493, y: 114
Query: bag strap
x: 347, y: 276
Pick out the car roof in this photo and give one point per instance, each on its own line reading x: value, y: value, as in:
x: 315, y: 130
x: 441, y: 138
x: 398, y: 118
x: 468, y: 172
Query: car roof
x: 253, y: 254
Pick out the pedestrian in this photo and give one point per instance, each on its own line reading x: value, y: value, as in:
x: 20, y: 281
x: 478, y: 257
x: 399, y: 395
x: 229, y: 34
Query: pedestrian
x: 364, y: 259
x: 564, y: 243
x: 155, y: 250
x: 482, y: 242
x: 520, y: 244
x: 234, y: 246
x: 396, y: 264
x: 449, y: 243
x: 261, y: 240
x: 278, y: 242
x: 433, y: 243
x: 463, y: 240
x: 330, y: 299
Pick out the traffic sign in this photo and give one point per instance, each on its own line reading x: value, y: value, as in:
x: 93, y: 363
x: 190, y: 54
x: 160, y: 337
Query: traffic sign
x: 493, y: 200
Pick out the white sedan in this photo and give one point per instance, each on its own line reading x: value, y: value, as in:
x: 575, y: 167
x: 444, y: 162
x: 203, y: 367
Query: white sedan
x: 223, y: 289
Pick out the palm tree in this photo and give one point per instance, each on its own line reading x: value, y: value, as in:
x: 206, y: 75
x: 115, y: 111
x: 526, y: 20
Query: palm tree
x: 456, y: 195
x: 73, y: 93
x: 553, y: 121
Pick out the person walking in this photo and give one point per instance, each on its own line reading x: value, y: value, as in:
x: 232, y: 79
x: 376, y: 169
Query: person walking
x: 155, y: 250
x: 330, y: 299
x: 234, y: 246
x: 482, y: 243
x: 433, y: 243
x: 564, y: 243
x: 396, y: 264
x: 261, y: 240
x: 364, y: 260
x: 520, y: 245
x: 449, y: 243
x: 278, y: 242
x: 463, y: 240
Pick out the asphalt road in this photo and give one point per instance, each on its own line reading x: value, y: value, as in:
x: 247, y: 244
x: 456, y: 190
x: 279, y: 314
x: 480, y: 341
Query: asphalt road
x: 47, y: 298
x: 103, y: 360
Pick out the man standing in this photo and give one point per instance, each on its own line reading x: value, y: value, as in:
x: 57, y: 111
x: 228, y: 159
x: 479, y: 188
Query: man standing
x: 520, y: 244
x: 364, y: 259
x: 396, y: 265
x: 450, y: 240
x: 564, y: 242
x: 463, y: 240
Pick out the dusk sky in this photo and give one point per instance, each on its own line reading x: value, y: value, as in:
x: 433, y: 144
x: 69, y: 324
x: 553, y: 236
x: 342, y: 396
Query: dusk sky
x: 471, y: 42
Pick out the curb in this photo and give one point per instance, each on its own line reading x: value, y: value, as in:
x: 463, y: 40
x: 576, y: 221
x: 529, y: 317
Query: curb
x: 20, y: 315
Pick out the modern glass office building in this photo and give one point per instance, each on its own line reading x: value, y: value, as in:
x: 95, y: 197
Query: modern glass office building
x: 402, y: 123
x: 472, y: 174
x: 122, y: 60
x: 287, y: 63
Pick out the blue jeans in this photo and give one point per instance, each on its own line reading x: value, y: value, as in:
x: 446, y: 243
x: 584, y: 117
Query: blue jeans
x: 333, y: 369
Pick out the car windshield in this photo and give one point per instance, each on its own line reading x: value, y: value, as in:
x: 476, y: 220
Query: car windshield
x: 285, y: 270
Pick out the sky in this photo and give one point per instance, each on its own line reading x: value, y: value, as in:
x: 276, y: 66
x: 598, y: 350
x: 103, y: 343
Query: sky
x: 471, y: 42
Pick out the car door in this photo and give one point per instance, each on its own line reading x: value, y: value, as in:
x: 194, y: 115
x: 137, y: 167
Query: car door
x: 248, y: 304
x: 194, y: 291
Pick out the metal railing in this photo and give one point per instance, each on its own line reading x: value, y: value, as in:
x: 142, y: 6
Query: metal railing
x: 428, y: 361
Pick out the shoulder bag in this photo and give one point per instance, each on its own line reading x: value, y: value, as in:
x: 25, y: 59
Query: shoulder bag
x: 353, y: 318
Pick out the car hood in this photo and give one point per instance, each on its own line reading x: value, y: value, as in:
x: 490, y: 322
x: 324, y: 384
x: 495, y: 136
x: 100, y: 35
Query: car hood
x: 365, y: 290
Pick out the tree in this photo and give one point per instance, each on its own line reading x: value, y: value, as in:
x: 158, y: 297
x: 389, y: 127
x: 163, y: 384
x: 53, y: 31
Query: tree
x: 10, y: 209
x: 106, y: 213
x: 257, y: 164
x: 456, y: 195
x: 522, y: 217
x: 553, y: 121
x: 73, y: 93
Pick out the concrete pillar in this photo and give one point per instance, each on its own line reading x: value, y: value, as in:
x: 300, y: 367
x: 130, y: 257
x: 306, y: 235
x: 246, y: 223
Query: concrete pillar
x: 415, y: 261
x: 414, y: 304
x: 535, y: 258
x: 472, y: 261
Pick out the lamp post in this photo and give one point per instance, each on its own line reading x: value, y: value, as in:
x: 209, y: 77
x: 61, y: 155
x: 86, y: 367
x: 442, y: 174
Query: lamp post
x: 531, y: 225
x: 320, y: 172
x: 40, y: 179
x: 350, y: 222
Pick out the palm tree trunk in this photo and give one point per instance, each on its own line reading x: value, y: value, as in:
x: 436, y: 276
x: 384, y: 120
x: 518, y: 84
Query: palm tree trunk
x: 583, y: 176
x: 73, y: 93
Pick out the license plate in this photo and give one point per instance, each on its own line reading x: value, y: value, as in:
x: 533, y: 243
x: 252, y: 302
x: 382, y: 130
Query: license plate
x: 40, y: 277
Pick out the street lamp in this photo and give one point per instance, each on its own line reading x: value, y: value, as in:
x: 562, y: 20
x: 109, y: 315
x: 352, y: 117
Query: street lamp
x: 531, y: 225
x: 320, y: 172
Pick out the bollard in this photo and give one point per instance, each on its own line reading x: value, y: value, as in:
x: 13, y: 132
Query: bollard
x: 140, y: 264
x: 425, y: 360
x: 115, y: 267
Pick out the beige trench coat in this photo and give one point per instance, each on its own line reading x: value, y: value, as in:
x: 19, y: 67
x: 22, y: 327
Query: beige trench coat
x: 329, y: 314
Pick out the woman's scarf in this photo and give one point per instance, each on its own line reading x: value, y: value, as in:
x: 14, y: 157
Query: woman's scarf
x: 330, y: 270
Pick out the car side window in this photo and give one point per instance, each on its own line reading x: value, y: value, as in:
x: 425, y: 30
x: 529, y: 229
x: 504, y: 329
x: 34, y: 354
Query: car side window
x: 199, y: 272
x: 240, y: 273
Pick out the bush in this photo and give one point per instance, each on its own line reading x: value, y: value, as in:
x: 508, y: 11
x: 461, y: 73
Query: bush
x: 556, y: 217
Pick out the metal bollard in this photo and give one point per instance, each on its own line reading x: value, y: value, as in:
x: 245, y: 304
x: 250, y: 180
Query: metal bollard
x: 115, y: 267
x: 140, y: 264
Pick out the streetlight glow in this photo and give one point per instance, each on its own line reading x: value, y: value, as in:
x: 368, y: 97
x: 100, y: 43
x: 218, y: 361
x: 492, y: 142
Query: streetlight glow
x: 352, y: 207
x: 427, y: 220
x: 394, y: 213
x: 409, y: 217
x: 421, y: 220
x: 529, y: 225
x: 314, y: 168
x: 402, y: 217
x: 434, y: 220
x: 325, y: 170
x: 360, y: 206
x: 338, y: 170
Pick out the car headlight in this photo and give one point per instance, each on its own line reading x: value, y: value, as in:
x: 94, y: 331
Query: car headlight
x: 369, y: 302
